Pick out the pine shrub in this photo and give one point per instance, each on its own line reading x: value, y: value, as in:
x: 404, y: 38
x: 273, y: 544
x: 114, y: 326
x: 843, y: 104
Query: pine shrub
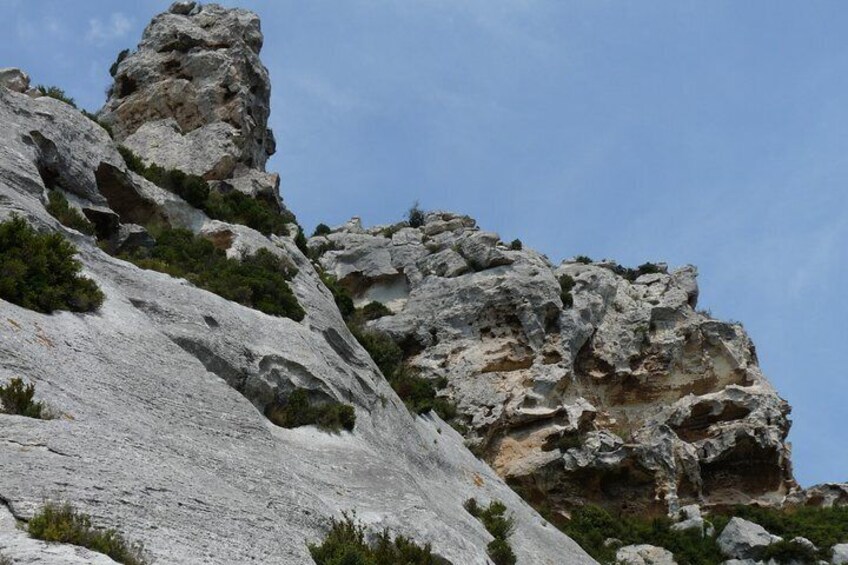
x: 17, y: 398
x: 38, y: 271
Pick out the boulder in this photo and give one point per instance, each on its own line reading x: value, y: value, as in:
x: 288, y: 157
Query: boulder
x: 131, y: 237
x: 644, y: 555
x: 14, y: 79
x: 840, y: 554
x: 742, y: 539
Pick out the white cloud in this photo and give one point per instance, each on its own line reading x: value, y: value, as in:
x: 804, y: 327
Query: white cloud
x: 115, y: 27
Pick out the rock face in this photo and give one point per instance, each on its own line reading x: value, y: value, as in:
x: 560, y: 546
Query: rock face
x: 194, y: 94
x: 616, y: 392
x: 161, y: 433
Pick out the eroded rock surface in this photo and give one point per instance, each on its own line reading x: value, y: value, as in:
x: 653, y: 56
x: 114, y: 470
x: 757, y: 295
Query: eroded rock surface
x: 621, y: 394
x: 161, y: 392
x: 194, y: 95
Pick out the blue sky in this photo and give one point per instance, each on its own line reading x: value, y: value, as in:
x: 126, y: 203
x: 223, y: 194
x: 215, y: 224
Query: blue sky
x: 712, y: 133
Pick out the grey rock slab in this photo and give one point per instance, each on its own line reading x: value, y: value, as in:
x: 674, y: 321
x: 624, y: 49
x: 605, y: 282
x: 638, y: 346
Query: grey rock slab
x: 644, y: 555
x: 840, y: 554
x: 742, y: 539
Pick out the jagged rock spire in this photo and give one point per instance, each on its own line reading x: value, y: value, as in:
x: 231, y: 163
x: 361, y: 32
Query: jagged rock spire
x: 194, y: 95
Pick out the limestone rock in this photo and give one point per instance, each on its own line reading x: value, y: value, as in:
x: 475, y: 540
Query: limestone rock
x: 631, y: 398
x: 161, y: 391
x: 742, y: 539
x: 644, y: 555
x: 194, y: 94
x: 825, y: 495
x: 840, y: 554
x: 14, y: 79
x: 131, y: 237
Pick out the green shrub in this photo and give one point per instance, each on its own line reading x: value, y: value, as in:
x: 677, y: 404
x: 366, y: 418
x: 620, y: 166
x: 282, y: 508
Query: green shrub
x: 297, y: 410
x: 583, y: 259
x: 63, y: 524
x: 17, y: 398
x: 113, y: 69
x: 501, y: 552
x: 566, y: 284
x: 232, y: 207
x: 633, y: 274
x: 516, y: 245
x: 345, y: 545
x: 387, y: 355
x: 301, y: 242
x: 419, y: 394
x: 5, y: 560
x: 38, y: 271
x: 322, y: 229
x: 341, y: 296
x: 58, y: 207
x: 497, y: 523
x: 415, y: 216
x: 785, y: 551
x: 259, y: 281
x: 375, y: 310
x: 238, y: 208
x: 57, y: 93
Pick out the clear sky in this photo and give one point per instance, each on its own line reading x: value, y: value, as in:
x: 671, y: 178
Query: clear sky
x: 712, y: 133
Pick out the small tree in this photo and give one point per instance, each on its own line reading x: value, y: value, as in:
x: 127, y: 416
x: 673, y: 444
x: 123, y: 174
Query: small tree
x: 321, y: 229
x: 415, y: 216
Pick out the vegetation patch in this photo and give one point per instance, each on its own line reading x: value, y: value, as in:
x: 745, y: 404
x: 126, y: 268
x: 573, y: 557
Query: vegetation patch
x: 372, y: 311
x: 233, y: 207
x: 633, y: 274
x: 497, y: 523
x: 113, y: 69
x: 259, y: 281
x: 5, y: 560
x: 63, y: 524
x: 321, y: 229
x: 583, y: 259
x: 38, y: 271
x: 346, y: 545
x: 297, y: 410
x: 566, y: 285
x: 419, y: 394
x: 341, y: 296
x: 238, y: 208
x: 57, y: 93
x: 516, y: 245
x: 415, y: 216
x: 590, y: 526
x: 59, y: 208
x: 18, y: 398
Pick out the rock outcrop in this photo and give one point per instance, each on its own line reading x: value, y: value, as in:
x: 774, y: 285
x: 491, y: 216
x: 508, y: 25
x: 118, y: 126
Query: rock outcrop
x: 579, y: 383
x: 161, y: 392
x: 195, y: 96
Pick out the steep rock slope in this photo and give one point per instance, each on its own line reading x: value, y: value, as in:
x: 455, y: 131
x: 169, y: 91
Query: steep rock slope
x: 160, y: 393
x: 580, y: 383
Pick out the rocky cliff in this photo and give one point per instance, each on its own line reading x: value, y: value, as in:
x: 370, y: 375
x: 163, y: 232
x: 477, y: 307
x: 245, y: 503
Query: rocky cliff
x: 583, y: 382
x: 161, y: 393
x: 578, y: 383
